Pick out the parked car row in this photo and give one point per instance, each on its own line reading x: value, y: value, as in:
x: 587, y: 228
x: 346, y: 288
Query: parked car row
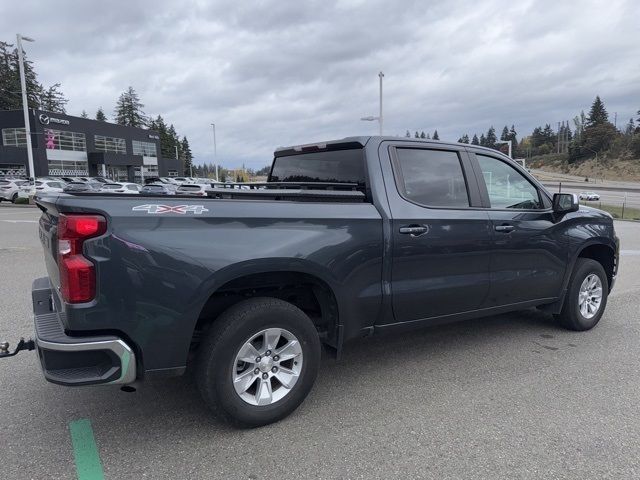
x: 12, y: 189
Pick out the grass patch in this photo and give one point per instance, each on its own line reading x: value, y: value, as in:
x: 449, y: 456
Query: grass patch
x: 22, y: 201
x: 630, y: 213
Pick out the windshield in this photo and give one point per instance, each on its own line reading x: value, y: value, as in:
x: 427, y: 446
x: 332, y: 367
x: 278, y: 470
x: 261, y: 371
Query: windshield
x: 341, y: 166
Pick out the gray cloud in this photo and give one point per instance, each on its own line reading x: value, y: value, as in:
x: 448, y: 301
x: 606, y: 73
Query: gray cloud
x: 279, y: 73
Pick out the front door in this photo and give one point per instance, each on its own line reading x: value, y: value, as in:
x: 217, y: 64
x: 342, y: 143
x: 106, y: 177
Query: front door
x: 528, y: 259
x: 441, y: 240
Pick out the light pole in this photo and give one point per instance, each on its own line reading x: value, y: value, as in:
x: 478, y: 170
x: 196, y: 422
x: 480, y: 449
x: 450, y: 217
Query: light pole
x: 379, y: 118
x: 502, y: 142
x: 25, y: 106
x: 215, y: 151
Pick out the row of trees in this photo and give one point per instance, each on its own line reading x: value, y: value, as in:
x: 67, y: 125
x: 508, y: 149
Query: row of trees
x: 590, y: 134
x: 38, y: 95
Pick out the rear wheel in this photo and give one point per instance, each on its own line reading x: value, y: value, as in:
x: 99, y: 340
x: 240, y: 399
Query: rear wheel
x: 14, y: 198
x: 586, y: 297
x: 258, y: 361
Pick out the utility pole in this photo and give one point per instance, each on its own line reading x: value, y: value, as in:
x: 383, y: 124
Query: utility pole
x: 215, y: 151
x: 25, y: 106
x: 558, y: 137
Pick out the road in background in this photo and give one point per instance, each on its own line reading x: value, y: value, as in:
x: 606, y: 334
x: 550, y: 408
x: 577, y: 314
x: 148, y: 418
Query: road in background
x: 509, y: 396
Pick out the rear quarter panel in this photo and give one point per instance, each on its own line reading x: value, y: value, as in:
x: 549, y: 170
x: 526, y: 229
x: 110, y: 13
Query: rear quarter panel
x: 156, y: 271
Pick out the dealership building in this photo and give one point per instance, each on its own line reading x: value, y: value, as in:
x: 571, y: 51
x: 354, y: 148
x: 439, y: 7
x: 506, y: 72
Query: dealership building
x: 74, y: 146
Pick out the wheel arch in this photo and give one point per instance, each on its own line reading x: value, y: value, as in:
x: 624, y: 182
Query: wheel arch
x: 301, y: 283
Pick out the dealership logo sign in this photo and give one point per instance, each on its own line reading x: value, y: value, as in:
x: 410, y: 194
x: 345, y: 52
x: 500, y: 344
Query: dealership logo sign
x: 46, y: 120
x: 160, y: 209
x: 155, y: 137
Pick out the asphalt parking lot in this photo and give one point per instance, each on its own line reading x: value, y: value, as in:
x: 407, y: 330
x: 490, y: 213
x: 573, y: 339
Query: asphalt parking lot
x: 510, y: 396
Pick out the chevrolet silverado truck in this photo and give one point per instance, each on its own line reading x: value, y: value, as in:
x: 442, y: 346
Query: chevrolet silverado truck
x: 345, y: 239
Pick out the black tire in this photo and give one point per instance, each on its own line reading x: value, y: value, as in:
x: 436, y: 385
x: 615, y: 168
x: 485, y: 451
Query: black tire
x: 14, y: 198
x: 570, y: 317
x: 217, y: 354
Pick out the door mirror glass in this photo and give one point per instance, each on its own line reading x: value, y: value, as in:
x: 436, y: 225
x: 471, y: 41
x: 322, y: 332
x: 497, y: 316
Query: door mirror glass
x: 565, y: 202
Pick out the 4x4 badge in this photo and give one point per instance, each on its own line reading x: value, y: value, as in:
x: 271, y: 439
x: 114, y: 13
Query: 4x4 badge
x: 182, y: 209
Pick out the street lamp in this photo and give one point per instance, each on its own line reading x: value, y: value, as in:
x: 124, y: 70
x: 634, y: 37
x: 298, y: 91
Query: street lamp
x: 502, y: 142
x: 215, y: 151
x: 25, y: 106
x: 371, y: 118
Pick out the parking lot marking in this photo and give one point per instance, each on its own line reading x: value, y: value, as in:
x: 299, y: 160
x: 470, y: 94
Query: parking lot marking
x: 85, y: 451
x: 20, y: 221
x: 625, y: 253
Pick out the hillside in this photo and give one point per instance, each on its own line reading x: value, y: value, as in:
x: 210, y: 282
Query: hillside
x: 605, y: 168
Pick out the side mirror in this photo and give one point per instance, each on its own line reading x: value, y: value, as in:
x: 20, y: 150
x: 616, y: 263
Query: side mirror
x: 565, y: 202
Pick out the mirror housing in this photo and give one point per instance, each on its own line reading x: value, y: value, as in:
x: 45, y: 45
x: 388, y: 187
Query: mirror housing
x: 565, y: 202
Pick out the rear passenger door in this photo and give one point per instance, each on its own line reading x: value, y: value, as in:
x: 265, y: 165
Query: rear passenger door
x: 528, y: 258
x: 441, y: 236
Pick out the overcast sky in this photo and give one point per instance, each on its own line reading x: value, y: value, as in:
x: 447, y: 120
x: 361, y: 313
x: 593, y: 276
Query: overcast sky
x: 288, y: 72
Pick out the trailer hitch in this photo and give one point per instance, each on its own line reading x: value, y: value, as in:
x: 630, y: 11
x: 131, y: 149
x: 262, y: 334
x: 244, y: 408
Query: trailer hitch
x: 22, y: 345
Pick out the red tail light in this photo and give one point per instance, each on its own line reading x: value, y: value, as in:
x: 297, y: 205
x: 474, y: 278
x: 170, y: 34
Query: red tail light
x: 77, y: 275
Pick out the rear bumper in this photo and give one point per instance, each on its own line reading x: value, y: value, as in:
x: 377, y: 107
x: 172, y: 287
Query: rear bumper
x: 77, y: 360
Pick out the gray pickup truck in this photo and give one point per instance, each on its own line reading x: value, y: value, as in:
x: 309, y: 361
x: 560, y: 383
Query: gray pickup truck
x: 347, y: 238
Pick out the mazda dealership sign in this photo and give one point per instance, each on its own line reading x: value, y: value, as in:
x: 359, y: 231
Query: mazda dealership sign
x: 46, y: 120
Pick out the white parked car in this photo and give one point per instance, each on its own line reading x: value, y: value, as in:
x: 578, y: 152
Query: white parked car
x: 41, y: 186
x: 9, y: 189
x: 192, y: 189
x: 123, y: 187
x: 589, y: 196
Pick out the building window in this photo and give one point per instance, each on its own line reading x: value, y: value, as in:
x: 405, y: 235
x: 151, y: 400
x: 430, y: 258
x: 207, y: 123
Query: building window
x: 146, y: 149
x: 63, y: 140
x: 64, y: 168
x: 12, y: 170
x: 110, y: 144
x: 14, y: 137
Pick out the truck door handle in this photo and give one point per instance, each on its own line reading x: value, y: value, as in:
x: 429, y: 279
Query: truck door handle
x: 414, y: 230
x: 505, y: 228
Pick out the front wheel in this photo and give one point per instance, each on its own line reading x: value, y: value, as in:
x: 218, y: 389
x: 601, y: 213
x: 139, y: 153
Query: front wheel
x: 586, y: 296
x: 258, y: 361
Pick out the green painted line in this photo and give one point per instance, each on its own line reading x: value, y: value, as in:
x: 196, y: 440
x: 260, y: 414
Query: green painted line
x: 85, y: 450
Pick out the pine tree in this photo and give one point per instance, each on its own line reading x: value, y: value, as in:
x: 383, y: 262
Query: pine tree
x: 10, y: 88
x: 186, y: 157
x: 53, y: 100
x: 598, y: 114
x: 483, y: 140
x: 464, y: 139
x: 422, y: 135
x: 474, y: 140
x: 129, y: 110
x: 513, y: 136
x: 408, y: 134
x: 84, y: 114
x: 100, y: 116
x: 504, y: 136
x: 630, y: 128
x: 428, y: 137
x: 417, y: 135
x: 491, y: 138
x: 435, y: 135
x: 167, y: 140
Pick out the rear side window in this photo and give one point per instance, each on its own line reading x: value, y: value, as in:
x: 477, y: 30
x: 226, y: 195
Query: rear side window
x: 132, y: 187
x: 339, y: 166
x: 433, y: 178
x: 189, y: 188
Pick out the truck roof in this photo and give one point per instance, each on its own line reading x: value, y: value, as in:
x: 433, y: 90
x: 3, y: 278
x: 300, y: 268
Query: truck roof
x: 361, y: 141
